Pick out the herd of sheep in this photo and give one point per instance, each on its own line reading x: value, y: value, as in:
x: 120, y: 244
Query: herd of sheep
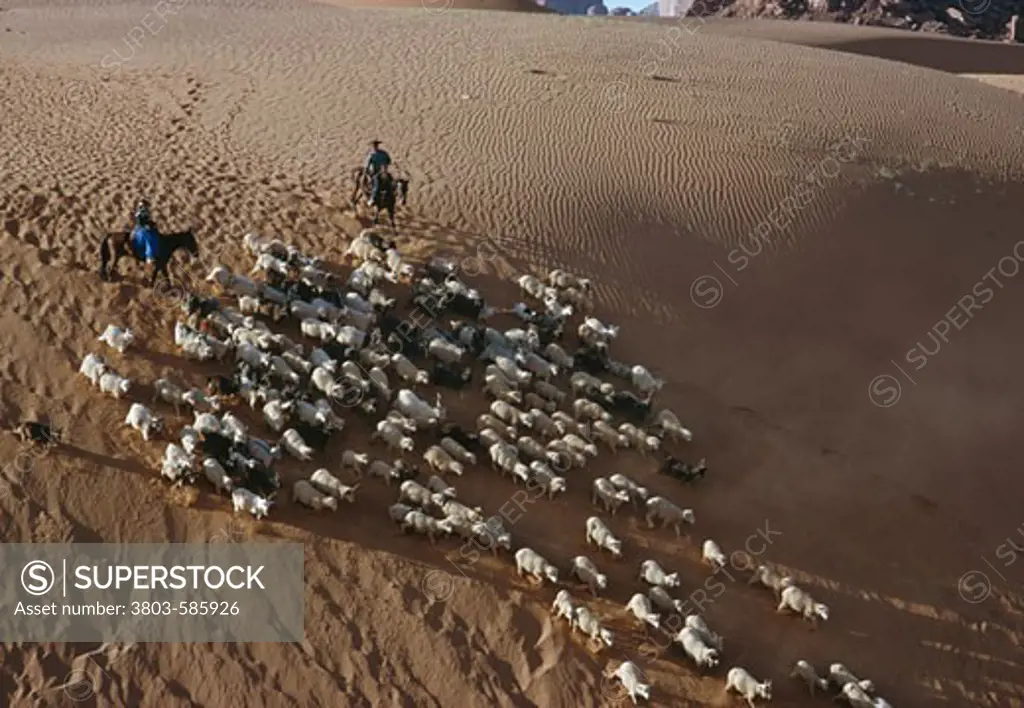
x: 548, y: 413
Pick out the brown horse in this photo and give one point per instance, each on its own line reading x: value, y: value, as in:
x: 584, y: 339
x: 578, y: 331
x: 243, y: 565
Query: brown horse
x: 391, y: 189
x: 119, y: 244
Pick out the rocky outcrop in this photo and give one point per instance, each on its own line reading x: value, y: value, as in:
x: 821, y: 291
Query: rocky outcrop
x: 981, y: 19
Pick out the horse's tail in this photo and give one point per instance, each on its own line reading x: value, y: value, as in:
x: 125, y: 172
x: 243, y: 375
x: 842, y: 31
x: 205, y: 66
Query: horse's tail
x: 104, y: 256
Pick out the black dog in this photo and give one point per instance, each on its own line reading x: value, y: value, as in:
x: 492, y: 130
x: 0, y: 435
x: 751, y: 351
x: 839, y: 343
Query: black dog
x: 38, y: 433
x: 684, y: 471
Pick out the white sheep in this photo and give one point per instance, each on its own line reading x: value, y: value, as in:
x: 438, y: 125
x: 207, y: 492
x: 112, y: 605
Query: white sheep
x: 349, y: 336
x: 506, y: 413
x: 115, y: 385
x: 379, y: 379
x: 190, y: 439
x: 586, y: 410
x: 561, y: 279
x: 639, y: 439
x: 276, y: 414
x: 584, y: 570
x: 610, y: 497
x: 653, y: 574
x: 549, y: 483
x: 713, y: 555
x: 601, y: 536
x: 438, y: 486
x: 267, y: 263
x: 327, y: 483
x: 252, y: 355
x: 415, y: 407
x: 216, y: 475
x: 856, y: 696
x: 93, y: 367
x: 804, y: 671
x: 322, y: 360
x: 640, y: 606
x: 549, y: 391
x: 644, y: 382
x: 306, y: 494
x: 629, y: 676
x: 800, y: 601
x: 177, y: 464
x: 392, y: 436
x: 405, y: 424
x: 456, y: 450
x: 637, y: 494
x: 279, y: 367
x: 566, y: 454
x: 571, y: 425
x: 663, y: 601
x: 443, y: 350
x: 537, y: 365
x: 695, y: 648
x: 486, y: 420
x: 563, y: 606
x: 294, y: 445
x: 583, y: 383
x: 167, y: 391
x: 324, y: 381
x: 407, y: 371
x: 669, y: 424
x: 439, y: 460
x: 537, y: 420
x: 511, y: 370
x: 315, y: 328
x: 249, y: 305
x: 382, y: 470
x: 206, y: 424
x: 451, y: 507
x: 350, y: 459
x: 263, y: 451
x: 740, y: 680
x: 143, y: 420
x: 587, y: 622
x: 533, y: 400
x: 531, y: 286
x: 840, y: 675
x: 558, y: 356
x: 698, y: 625
x: 233, y: 427
x: 244, y: 500
x: 504, y: 457
x: 117, y: 338
x: 661, y: 509
x: 771, y: 579
x: 610, y: 436
x: 426, y: 525
x: 197, y: 400
x: 528, y: 561
x: 500, y: 388
x: 398, y: 512
x: 578, y: 444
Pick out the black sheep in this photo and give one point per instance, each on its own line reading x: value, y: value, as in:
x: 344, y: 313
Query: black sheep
x: 451, y: 376
x: 316, y: 437
x: 627, y: 403
x: 470, y: 441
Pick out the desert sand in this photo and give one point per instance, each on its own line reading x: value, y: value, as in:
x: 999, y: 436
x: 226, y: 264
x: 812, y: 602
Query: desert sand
x: 643, y: 155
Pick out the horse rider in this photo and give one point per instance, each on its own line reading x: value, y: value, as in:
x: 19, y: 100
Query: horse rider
x: 144, y: 237
x: 377, y: 161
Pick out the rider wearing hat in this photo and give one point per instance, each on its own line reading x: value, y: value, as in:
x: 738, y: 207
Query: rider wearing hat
x: 144, y: 238
x: 376, y: 161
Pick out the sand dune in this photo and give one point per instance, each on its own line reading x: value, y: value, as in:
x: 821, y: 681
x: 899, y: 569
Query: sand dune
x: 645, y: 158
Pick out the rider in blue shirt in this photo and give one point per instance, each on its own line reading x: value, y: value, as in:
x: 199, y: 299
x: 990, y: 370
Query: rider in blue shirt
x: 376, y: 161
x: 144, y: 233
